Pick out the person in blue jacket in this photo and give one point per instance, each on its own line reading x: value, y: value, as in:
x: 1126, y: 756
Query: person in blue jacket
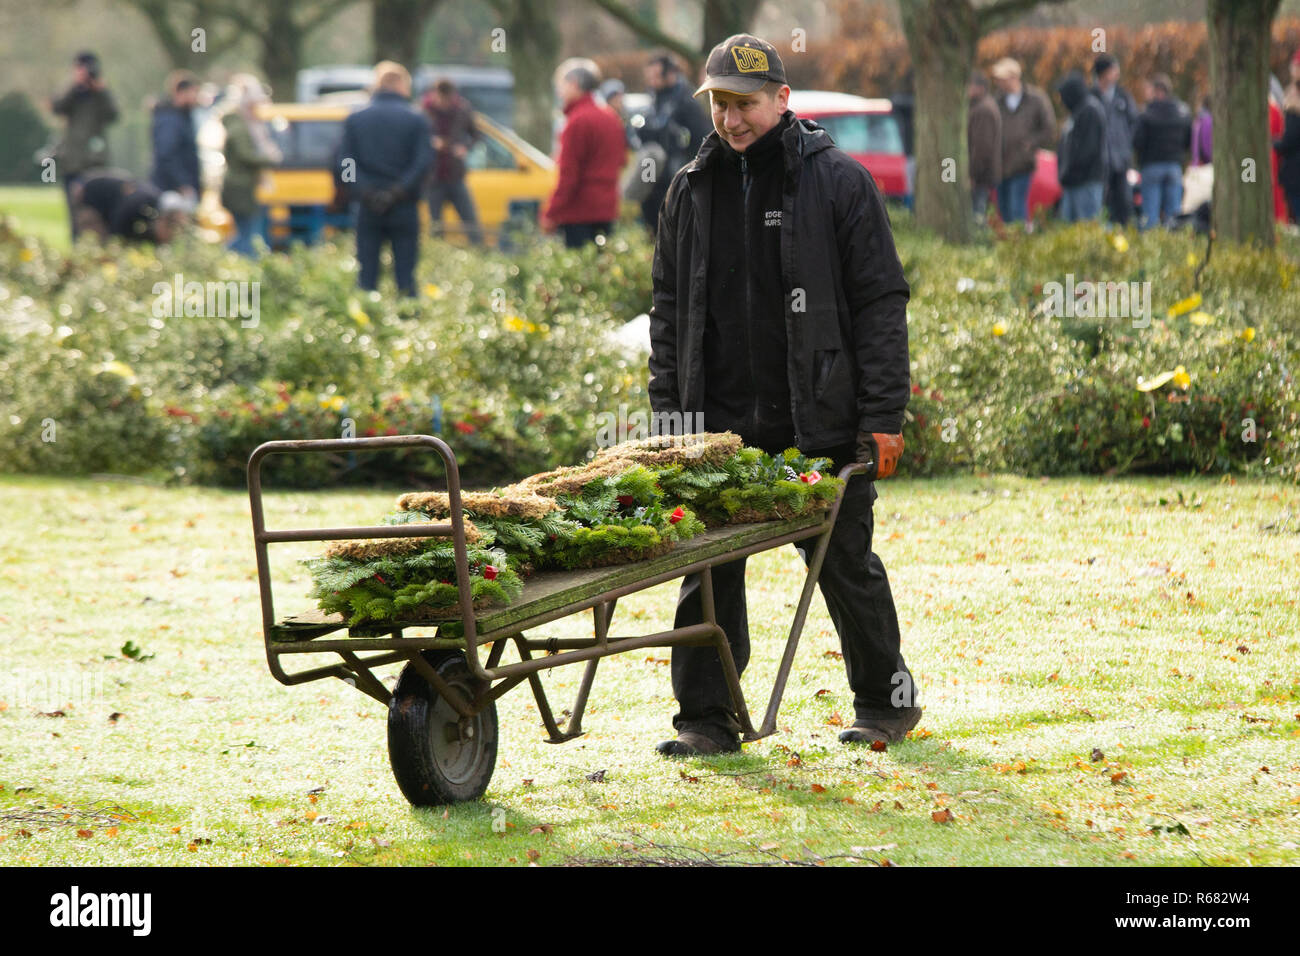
x: 175, y: 151
x: 381, y: 162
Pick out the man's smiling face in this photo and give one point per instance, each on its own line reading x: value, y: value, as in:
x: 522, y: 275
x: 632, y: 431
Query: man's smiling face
x: 741, y: 118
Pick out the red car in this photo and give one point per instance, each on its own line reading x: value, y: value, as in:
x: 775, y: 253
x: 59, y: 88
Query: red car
x: 866, y: 129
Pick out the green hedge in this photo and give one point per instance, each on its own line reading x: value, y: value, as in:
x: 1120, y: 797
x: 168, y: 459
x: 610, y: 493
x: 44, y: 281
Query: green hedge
x: 511, y: 358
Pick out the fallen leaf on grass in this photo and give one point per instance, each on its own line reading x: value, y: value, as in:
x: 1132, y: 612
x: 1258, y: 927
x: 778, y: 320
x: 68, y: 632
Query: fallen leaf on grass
x: 817, y: 788
x: 597, y: 777
x: 835, y: 720
x: 52, y: 713
x: 85, y: 833
x: 1097, y: 755
x: 533, y: 855
x: 835, y: 654
x: 879, y: 746
x: 1117, y: 777
x: 942, y: 816
x: 541, y: 828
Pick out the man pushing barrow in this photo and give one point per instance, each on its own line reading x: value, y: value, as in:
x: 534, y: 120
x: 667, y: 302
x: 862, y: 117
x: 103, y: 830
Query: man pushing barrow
x: 780, y: 314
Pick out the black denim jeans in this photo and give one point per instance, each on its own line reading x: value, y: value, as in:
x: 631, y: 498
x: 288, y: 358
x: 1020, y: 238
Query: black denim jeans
x: 856, y: 590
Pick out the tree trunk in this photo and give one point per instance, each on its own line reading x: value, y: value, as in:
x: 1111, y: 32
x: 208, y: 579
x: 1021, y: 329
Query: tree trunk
x: 282, y: 51
x: 1239, y: 37
x: 724, y: 18
x: 396, y: 28
x: 941, y: 35
x: 533, y: 46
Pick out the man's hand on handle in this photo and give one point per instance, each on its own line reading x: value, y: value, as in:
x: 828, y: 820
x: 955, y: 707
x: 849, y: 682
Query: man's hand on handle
x: 881, y: 451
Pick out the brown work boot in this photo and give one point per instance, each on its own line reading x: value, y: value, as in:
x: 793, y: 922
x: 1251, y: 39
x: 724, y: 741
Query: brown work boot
x: 692, y: 744
x: 889, y: 730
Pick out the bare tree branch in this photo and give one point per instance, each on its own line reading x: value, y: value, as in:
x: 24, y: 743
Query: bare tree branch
x: 649, y: 31
x: 1002, y: 12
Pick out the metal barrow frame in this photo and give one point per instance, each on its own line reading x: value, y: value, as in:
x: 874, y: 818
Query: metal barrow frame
x: 565, y: 594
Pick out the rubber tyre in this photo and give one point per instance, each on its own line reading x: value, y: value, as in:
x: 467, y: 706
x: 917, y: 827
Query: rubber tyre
x: 432, y: 770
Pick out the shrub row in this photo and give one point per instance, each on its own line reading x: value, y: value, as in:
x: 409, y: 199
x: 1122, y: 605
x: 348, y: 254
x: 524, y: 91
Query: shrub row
x: 512, y: 360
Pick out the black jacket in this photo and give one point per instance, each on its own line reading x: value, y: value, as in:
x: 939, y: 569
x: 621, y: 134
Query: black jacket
x: 845, y: 300
x: 677, y: 123
x: 1082, y: 152
x: 1288, y: 157
x: 1164, y: 132
x: 391, y: 145
x: 175, y: 151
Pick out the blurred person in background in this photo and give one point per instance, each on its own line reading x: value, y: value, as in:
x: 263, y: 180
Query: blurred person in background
x: 1203, y: 134
x: 1121, y: 121
x: 611, y: 93
x: 593, y: 150
x: 88, y: 108
x: 389, y: 146
x: 175, y: 146
x: 1288, y: 144
x: 984, y: 136
x: 454, y: 133
x: 249, y: 151
x: 1161, y: 141
x: 675, y: 122
x: 1081, y: 157
x: 112, y: 202
x: 1027, y: 126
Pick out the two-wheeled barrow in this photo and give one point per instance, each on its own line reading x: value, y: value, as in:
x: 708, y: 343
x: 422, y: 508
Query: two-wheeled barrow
x: 442, y: 718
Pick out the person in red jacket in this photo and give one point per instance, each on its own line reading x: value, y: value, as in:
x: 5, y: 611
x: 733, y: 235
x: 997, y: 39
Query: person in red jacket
x: 593, y: 150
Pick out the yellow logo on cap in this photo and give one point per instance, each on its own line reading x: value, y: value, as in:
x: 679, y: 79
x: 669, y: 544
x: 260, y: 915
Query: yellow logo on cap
x: 749, y: 60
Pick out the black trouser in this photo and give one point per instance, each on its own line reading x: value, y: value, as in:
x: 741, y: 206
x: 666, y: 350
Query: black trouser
x: 861, y: 607
x: 69, y: 183
x: 399, y: 226
x: 1119, y: 197
x: 578, y: 234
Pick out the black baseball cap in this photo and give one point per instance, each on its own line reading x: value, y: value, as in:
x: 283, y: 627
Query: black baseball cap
x: 742, y: 64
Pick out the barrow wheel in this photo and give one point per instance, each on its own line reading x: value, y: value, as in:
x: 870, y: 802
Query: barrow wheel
x: 437, y: 756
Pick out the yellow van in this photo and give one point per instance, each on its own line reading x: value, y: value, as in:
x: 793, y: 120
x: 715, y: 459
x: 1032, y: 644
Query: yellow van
x: 509, y: 179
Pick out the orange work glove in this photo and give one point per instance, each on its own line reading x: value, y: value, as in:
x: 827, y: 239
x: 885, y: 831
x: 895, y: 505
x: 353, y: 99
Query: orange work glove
x: 883, y: 451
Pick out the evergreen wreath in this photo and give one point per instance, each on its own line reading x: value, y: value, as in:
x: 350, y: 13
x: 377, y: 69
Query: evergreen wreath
x: 631, y: 502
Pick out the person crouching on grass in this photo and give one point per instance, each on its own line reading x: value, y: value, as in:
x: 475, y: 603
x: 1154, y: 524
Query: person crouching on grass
x: 780, y: 314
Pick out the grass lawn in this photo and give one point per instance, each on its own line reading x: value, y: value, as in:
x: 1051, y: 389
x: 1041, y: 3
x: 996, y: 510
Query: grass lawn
x: 1108, y: 670
x: 39, y: 210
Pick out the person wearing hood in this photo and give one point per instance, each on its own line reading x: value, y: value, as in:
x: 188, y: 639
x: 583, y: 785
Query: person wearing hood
x: 175, y: 149
x: 1121, y: 120
x: 1161, y: 141
x: 780, y: 313
x: 1081, y: 157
